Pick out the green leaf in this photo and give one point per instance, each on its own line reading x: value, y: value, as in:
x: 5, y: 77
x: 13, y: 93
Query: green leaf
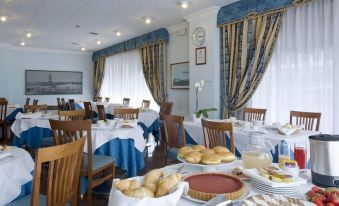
x: 205, y: 114
x: 198, y: 114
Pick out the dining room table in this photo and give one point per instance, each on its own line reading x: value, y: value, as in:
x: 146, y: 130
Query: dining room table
x: 12, y: 111
x: 242, y: 135
x: 16, y: 173
x: 187, y: 169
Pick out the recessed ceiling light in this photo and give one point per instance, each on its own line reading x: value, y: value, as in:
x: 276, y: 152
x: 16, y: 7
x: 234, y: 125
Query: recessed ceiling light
x: 83, y: 49
x: 118, y: 33
x: 148, y: 20
x: 184, y: 4
x: 22, y: 43
x: 98, y: 42
x: 3, y: 18
x: 28, y: 35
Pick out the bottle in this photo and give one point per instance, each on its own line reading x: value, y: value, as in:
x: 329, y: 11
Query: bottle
x: 284, y: 152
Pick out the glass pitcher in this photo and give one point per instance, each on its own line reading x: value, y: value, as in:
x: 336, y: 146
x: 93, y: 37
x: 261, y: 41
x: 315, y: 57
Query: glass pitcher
x: 258, y: 153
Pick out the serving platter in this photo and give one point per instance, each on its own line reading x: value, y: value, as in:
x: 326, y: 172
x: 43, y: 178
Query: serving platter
x: 206, y: 167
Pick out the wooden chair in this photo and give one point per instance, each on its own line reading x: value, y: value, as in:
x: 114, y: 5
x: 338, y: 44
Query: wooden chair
x: 107, y: 99
x: 253, y: 114
x: 97, y: 168
x: 165, y: 109
x: 215, y: 133
x: 311, y: 120
x: 126, y: 113
x: 88, y: 110
x: 71, y: 103
x: 101, y: 112
x: 175, y: 136
x: 3, y: 114
x: 145, y: 103
x: 98, y: 99
x: 72, y: 115
x: 125, y: 101
x: 35, y: 102
x: 63, y: 181
x: 36, y: 108
x: 63, y: 104
x: 59, y: 104
x: 27, y: 101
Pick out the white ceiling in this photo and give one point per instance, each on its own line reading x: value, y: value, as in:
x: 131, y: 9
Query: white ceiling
x: 52, y: 22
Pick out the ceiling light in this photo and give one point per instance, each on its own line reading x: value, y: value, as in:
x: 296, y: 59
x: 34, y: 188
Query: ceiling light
x: 98, y: 42
x: 118, y: 33
x: 83, y: 49
x: 184, y: 4
x: 28, y: 35
x: 3, y: 18
x: 148, y: 20
x: 22, y: 43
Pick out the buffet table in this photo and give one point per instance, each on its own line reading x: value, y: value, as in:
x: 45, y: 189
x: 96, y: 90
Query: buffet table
x: 16, y: 168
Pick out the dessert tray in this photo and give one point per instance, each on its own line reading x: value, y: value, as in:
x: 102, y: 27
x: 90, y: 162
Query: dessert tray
x: 274, y: 200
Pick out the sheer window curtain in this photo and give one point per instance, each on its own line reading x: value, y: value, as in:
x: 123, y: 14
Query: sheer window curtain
x: 303, y: 69
x: 124, y: 78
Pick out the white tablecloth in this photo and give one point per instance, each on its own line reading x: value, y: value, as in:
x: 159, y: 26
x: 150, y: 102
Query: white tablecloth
x: 15, y: 171
x: 11, y: 108
x: 242, y: 136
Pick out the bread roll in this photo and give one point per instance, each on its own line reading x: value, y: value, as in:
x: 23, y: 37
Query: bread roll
x: 218, y: 149
x: 198, y: 148
x: 122, y: 185
x: 153, y: 176
x: 141, y: 192
x: 208, y: 151
x: 167, y: 184
x: 152, y: 187
x: 210, y: 159
x: 183, y: 150
x: 193, y: 157
x: 226, y: 156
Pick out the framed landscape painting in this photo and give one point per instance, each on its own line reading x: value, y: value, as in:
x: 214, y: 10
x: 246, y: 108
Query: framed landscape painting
x: 180, y: 75
x: 45, y: 82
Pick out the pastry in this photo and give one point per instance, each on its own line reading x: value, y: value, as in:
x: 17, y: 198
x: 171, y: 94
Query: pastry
x: 198, y: 148
x: 210, y: 159
x: 226, y: 156
x: 207, y: 151
x: 205, y: 186
x: 183, y: 150
x: 275, y: 175
x: 150, y: 186
x: 193, y: 157
x: 167, y: 184
x: 218, y: 149
x: 141, y: 192
x: 122, y: 185
x: 153, y: 176
x: 271, y: 200
x: 134, y: 185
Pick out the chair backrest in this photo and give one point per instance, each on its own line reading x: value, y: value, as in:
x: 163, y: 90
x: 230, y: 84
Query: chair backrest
x: 3, y: 110
x: 215, y: 133
x: 145, y: 103
x: 106, y: 99
x: 98, y: 99
x: 35, y: 102
x: 174, y: 131
x: 126, y: 113
x: 88, y: 110
x: 59, y: 103
x: 36, y: 108
x: 71, y: 104
x: 252, y: 114
x: 27, y: 101
x: 125, y: 101
x: 311, y: 120
x: 101, y: 112
x: 165, y: 109
x: 63, y: 104
x: 72, y: 115
x: 63, y: 181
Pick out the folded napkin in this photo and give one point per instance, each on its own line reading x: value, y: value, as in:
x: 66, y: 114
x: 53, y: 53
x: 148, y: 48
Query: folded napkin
x: 127, y: 124
x: 4, y: 155
x: 35, y: 115
x: 287, y: 131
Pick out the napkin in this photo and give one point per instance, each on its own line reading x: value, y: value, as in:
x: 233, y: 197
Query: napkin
x: 36, y: 115
x: 287, y: 131
x: 127, y: 124
x: 4, y: 155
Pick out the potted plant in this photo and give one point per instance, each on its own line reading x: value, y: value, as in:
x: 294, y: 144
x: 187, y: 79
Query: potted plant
x: 202, y: 113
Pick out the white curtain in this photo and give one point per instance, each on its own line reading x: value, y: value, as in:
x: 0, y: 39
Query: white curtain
x: 303, y: 70
x: 124, y: 78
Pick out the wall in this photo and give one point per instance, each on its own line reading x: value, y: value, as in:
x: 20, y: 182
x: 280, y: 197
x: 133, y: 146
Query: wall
x: 178, y: 52
x: 15, y: 60
x: 210, y: 72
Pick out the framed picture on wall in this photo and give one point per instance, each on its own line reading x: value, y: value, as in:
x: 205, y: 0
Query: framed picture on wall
x: 180, y: 75
x: 45, y: 82
x: 200, y: 56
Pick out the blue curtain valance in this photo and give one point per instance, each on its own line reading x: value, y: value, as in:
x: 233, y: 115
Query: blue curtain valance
x: 160, y: 35
x: 244, y: 8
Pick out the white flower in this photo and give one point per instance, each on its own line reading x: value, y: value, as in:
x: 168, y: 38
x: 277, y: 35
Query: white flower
x: 202, y: 82
x: 197, y: 84
x: 199, y: 89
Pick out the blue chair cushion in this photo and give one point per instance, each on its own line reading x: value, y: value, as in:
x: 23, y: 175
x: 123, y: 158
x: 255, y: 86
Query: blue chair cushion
x: 98, y: 161
x: 47, y: 142
x: 161, y: 123
x: 26, y: 200
x: 172, y: 153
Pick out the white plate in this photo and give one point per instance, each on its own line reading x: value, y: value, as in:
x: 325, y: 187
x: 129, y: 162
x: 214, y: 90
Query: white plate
x: 243, y: 197
x: 258, y: 183
x: 273, y: 190
x: 206, y: 166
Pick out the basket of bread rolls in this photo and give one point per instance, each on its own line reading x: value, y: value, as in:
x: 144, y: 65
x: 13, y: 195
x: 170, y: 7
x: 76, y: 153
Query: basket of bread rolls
x: 155, y: 188
x: 201, y: 156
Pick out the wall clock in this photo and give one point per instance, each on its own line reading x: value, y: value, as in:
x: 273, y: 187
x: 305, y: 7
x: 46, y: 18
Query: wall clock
x: 199, y: 36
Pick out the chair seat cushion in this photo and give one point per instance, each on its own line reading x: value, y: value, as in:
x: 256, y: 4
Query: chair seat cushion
x: 172, y: 153
x: 98, y: 161
x: 47, y: 142
x: 26, y: 200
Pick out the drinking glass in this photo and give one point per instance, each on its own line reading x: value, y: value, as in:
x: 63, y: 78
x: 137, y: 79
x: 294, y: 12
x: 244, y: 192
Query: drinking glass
x: 300, y: 154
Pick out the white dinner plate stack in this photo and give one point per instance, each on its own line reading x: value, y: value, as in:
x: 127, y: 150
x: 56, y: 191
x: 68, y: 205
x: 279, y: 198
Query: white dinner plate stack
x: 258, y: 185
